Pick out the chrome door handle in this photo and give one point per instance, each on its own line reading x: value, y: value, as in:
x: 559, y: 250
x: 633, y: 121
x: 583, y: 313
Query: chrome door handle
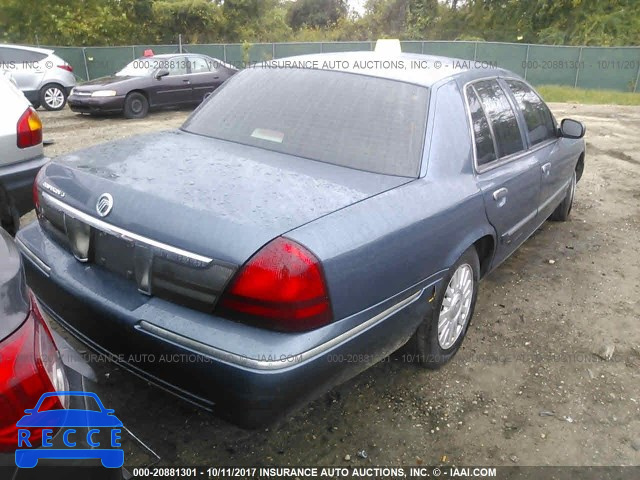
x: 500, y: 196
x: 500, y: 193
x: 546, y: 168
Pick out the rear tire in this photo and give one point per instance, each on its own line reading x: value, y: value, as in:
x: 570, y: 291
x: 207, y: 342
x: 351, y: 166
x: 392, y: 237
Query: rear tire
x: 434, y: 344
x: 53, y: 97
x: 136, y: 105
x: 561, y: 213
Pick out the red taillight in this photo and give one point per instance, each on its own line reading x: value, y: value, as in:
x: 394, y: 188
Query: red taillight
x: 29, y: 129
x: 281, y: 287
x: 31, y: 366
x: 66, y: 67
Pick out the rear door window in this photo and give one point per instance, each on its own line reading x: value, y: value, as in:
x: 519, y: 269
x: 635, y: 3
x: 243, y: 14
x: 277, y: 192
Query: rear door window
x: 199, y: 65
x: 177, y: 66
x: 540, y: 123
x: 503, y: 119
x: 18, y: 55
x: 485, y: 149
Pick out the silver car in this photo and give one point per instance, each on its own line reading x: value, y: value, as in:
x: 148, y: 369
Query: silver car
x: 21, y: 154
x: 44, y: 78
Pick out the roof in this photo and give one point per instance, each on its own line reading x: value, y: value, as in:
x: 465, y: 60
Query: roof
x: 415, y: 68
x: 46, y: 51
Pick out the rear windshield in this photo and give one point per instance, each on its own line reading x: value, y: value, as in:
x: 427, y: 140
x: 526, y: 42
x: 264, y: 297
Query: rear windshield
x: 346, y: 119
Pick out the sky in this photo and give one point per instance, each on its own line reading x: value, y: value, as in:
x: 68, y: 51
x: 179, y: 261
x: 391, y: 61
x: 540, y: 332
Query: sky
x: 357, y: 5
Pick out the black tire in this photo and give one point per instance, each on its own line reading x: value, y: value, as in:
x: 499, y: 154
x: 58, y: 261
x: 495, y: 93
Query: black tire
x: 53, y: 97
x: 9, y: 216
x: 136, y: 105
x: 424, y: 347
x: 561, y: 213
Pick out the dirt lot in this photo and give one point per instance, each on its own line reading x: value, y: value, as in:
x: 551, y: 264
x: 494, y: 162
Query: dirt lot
x: 532, y: 385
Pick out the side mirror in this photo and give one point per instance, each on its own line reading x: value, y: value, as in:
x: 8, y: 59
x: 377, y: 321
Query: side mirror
x: 29, y: 411
x: 572, y: 128
x: 161, y: 73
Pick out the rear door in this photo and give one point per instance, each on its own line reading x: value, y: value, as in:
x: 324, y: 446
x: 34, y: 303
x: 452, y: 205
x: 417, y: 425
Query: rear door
x: 557, y: 168
x: 205, y: 78
x: 175, y: 88
x: 508, y: 176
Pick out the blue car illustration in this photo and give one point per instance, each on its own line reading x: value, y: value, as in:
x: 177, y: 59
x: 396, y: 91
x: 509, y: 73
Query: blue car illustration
x: 67, y: 420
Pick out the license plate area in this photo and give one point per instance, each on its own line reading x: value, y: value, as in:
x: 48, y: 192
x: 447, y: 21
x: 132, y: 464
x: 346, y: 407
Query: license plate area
x: 115, y: 254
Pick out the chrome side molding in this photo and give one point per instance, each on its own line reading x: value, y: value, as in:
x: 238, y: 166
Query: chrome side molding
x: 286, y: 360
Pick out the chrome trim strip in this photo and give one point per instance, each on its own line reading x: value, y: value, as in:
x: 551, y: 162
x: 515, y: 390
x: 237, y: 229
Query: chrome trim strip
x: 121, y: 232
x: 507, y: 236
x: 138, y: 372
x: 46, y: 269
x: 287, y: 360
x: 554, y: 196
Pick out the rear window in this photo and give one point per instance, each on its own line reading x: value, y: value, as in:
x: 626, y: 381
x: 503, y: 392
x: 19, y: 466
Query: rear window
x: 356, y: 121
x: 19, y: 55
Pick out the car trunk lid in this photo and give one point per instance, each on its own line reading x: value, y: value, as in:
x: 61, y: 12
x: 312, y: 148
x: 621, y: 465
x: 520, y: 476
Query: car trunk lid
x: 188, y: 210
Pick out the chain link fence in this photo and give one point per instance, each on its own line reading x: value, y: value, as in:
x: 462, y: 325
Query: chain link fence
x: 615, y: 68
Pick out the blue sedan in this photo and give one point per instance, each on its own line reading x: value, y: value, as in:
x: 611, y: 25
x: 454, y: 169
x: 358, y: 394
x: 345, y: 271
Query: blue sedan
x: 311, y: 217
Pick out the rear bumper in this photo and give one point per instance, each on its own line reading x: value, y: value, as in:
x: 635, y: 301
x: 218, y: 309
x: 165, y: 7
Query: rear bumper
x: 82, y: 104
x: 32, y: 95
x: 250, y: 387
x: 17, y: 180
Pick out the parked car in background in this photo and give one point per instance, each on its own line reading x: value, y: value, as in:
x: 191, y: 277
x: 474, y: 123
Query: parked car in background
x: 21, y: 154
x: 152, y: 82
x: 36, y: 362
x: 44, y: 78
x: 301, y: 225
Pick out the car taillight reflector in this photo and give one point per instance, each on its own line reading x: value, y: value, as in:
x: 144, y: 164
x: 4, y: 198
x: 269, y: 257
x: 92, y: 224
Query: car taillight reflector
x: 31, y: 366
x: 281, y: 287
x: 66, y: 67
x: 29, y: 129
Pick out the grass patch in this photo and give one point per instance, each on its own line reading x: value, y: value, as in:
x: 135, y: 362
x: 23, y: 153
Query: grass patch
x: 557, y: 93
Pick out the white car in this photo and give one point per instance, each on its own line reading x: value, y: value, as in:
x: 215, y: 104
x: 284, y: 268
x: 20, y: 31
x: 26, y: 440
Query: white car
x: 43, y: 77
x: 21, y: 154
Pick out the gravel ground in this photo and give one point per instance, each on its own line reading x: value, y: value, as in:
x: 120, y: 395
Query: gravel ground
x: 548, y: 375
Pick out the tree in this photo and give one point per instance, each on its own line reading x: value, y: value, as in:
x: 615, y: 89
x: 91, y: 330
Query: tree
x: 316, y: 13
x: 197, y: 21
x: 74, y: 22
x: 255, y: 20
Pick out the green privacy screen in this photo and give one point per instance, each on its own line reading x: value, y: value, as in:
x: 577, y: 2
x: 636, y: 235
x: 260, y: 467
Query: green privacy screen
x: 615, y: 68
